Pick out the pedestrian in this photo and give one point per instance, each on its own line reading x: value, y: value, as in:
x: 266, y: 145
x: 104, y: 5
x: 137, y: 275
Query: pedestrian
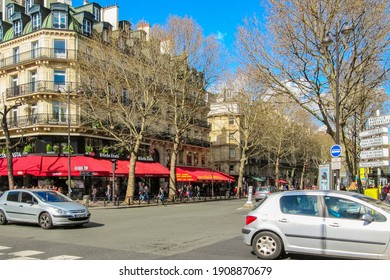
x: 94, y: 193
x: 108, y: 193
x: 161, y: 195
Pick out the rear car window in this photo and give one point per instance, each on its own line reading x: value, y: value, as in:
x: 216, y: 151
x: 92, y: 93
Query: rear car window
x: 299, y: 205
x: 13, y: 196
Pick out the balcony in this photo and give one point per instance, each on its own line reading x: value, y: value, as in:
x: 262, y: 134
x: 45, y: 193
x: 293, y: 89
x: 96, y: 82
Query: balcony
x: 37, y: 54
x: 43, y: 119
x: 39, y: 87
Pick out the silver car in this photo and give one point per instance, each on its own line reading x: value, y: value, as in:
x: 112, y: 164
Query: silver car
x: 45, y: 207
x: 262, y: 192
x: 326, y: 223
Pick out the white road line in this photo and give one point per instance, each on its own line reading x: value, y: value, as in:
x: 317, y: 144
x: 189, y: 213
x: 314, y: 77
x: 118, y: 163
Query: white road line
x: 65, y: 257
x: 26, y: 253
x: 4, y: 248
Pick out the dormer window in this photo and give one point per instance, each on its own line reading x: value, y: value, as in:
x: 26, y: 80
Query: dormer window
x: 36, y: 21
x: 29, y: 4
x: 59, y: 20
x: 18, y: 28
x: 87, y: 27
x: 10, y: 12
x: 96, y: 13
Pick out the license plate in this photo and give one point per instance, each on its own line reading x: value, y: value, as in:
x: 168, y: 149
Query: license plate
x: 79, y: 215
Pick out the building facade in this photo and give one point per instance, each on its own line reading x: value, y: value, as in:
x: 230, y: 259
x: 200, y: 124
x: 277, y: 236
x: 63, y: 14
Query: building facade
x: 39, y: 42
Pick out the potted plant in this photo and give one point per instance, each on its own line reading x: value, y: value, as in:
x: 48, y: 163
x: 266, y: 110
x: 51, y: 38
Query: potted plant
x: 56, y: 148
x: 105, y: 150
x: 88, y: 150
x: 27, y: 149
x: 49, y: 149
x: 68, y: 149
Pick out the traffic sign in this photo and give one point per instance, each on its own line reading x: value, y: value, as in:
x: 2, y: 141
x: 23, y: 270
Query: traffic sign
x: 86, y: 173
x: 335, y: 150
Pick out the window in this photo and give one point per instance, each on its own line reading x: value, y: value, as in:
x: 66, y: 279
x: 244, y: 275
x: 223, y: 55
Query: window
x: 59, y: 48
x: 231, y: 120
x: 59, y: 20
x: 34, y: 113
x: 13, y: 196
x: 231, y: 136
x: 60, y: 112
x: 16, y: 56
x: 232, y: 152
x: 1, y: 33
x: 18, y: 28
x: 33, y: 81
x: 14, y: 85
x: 34, y: 49
x: 346, y: 209
x: 10, y: 12
x: 299, y: 205
x: 87, y: 27
x: 26, y: 198
x: 36, y: 21
x: 105, y: 35
x: 29, y: 4
x: 15, y: 116
x: 96, y: 13
x: 59, y: 79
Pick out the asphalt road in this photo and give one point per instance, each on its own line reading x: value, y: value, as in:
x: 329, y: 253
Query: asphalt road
x: 193, y: 231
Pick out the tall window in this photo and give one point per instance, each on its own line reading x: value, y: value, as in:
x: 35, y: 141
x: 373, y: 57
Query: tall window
x: 36, y: 21
x: 232, y: 152
x: 60, y: 111
x: 18, y: 28
x: 59, y: 20
x: 15, y: 116
x: 33, y: 80
x: 10, y: 12
x: 231, y: 120
x: 59, y: 79
x: 29, y: 4
x: 34, y: 113
x: 87, y: 27
x: 59, y: 48
x: 96, y: 13
x: 16, y: 56
x: 14, y: 85
x: 34, y: 49
x: 1, y: 33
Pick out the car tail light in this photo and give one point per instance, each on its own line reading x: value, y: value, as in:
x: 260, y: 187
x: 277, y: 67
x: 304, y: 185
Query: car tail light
x: 250, y: 219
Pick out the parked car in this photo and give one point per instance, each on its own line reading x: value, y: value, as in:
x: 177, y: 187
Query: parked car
x: 262, y: 192
x: 44, y: 207
x: 327, y: 223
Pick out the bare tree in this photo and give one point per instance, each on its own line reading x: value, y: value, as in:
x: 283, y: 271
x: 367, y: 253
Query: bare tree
x: 290, y: 57
x: 121, y: 83
x: 195, y: 63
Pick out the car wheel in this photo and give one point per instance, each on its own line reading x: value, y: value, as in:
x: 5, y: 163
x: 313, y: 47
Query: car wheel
x: 45, y: 221
x: 3, y: 219
x: 267, y: 245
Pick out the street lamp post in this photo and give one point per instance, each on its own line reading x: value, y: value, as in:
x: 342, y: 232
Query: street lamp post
x: 344, y: 29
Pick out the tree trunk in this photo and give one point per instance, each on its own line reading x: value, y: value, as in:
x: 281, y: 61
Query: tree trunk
x: 10, y: 167
x: 131, y: 179
x: 172, y: 176
x: 240, y: 176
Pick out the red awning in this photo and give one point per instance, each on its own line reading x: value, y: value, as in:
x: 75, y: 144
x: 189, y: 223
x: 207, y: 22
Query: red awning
x: 189, y: 174
x: 281, y: 181
x: 26, y: 165
x: 142, y: 169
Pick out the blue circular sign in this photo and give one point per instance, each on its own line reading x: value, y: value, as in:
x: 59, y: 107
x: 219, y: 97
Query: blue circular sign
x: 336, y: 150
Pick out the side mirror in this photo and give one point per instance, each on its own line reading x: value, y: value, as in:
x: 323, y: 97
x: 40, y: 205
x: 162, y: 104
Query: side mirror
x: 368, y: 218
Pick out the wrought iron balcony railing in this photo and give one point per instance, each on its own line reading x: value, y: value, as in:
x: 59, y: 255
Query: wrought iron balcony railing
x: 43, y: 119
x: 36, y: 54
x: 40, y: 87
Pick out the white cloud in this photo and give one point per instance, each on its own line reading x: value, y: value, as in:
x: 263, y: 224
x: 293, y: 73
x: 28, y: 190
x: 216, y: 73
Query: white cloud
x: 220, y: 36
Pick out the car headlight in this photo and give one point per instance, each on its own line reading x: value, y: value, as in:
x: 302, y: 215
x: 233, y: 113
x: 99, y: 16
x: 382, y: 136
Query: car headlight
x: 60, y: 211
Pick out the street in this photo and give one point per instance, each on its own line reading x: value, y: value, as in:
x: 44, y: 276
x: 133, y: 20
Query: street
x: 209, y: 230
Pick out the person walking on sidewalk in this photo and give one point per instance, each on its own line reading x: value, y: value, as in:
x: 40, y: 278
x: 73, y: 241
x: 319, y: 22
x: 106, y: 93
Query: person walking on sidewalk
x: 108, y: 193
x: 161, y: 195
x: 94, y: 193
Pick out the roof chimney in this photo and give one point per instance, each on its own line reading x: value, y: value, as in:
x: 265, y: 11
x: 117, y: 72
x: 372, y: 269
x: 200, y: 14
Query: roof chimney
x: 85, y: 2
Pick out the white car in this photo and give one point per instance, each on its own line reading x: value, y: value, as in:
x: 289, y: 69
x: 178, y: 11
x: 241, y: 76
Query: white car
x: 44, y: 207
x: 327, y: 223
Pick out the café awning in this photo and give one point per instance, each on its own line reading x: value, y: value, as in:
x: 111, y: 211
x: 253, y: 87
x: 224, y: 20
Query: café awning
x: 193, y: 174
x: 30, y: 165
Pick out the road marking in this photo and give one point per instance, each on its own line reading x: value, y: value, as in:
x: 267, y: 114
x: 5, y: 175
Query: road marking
x: 4, y: 248
x: 64, y: 257
x: 26, y: 253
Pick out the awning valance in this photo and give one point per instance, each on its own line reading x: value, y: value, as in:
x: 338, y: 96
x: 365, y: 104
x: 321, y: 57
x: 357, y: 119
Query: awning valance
x: 194, y: 174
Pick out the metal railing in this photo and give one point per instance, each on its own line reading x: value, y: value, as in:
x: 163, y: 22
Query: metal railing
x: 40, y: 87
x: 38, y: 53
x: 44, y: 119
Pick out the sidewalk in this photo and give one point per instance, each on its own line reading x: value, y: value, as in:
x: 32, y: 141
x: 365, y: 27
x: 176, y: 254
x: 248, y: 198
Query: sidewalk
x: 136, y: 204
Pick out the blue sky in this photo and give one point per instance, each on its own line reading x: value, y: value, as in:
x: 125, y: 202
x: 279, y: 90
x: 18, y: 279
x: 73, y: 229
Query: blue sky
x: 215, y: 17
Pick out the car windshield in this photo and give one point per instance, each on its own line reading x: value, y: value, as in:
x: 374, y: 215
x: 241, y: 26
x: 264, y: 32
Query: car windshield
x: 263, y: 189
x: 51, y: 196
x: 381, y: 204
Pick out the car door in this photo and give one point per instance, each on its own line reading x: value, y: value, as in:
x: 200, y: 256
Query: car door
x: 301, y: 222
x: 28, y: 207
x: 348, y: 234
x: 11, y: 205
